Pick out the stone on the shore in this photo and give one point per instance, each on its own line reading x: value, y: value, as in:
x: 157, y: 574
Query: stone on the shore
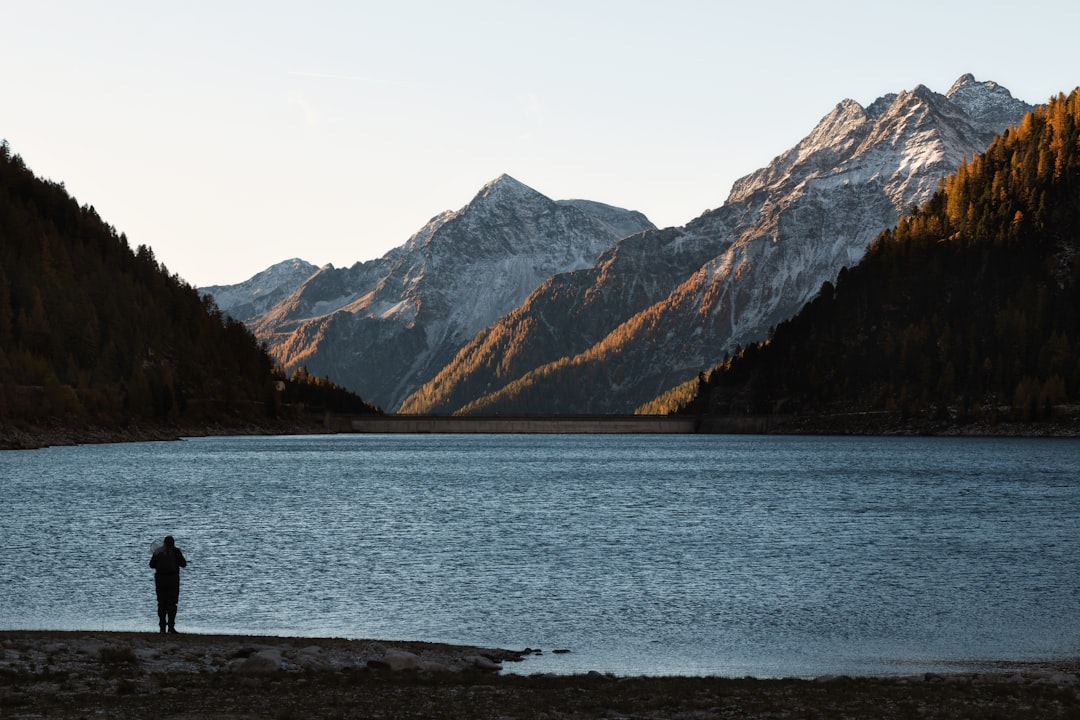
x: 434, y: 666
x: 313, y: 658
x: 397, y: 660
x: 1049, y: 677
x: 145, y: 654
x: 482, y: 663
x: 828, y: 678
x: 261, y: 663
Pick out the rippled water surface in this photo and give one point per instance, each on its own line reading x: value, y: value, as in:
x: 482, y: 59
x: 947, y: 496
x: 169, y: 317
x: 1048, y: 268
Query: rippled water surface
x: 640, y: 554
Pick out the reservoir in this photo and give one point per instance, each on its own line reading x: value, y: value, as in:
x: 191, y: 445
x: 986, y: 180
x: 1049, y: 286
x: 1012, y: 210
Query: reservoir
x: 640, y: 554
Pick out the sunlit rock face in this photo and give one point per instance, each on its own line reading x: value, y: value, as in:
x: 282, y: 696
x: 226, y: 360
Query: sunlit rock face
x: 384, y: 327
x: 660, y: 307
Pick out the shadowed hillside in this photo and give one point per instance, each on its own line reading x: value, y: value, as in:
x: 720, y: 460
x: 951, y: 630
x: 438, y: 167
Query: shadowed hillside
x: 94, y: 334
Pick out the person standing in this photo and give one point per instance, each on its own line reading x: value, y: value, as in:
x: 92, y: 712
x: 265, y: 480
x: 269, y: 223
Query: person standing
x: 167, y: 561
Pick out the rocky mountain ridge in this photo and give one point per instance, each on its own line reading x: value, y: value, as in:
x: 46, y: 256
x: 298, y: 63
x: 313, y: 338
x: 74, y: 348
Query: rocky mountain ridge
x: 385, y: 326
x: 260, y: 293
x: 784, y: 230
x: 464, y: 318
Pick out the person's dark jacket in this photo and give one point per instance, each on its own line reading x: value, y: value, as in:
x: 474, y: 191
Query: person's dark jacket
x: 167, y: 560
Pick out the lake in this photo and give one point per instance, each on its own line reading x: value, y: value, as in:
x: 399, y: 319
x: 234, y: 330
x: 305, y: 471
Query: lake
x: 690, y: 555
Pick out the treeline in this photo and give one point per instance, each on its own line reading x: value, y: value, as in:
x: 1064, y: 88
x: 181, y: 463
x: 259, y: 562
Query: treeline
x: 320, y: 394
x: 969, y: 309
x: 95, y: 333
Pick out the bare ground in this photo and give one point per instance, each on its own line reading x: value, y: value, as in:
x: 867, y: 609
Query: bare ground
x: 203, y: 677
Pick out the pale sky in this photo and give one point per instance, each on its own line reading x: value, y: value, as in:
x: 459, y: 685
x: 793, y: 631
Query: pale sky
x: 229, y: 136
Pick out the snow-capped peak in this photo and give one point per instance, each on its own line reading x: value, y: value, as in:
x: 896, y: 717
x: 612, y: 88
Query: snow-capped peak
x: 853, y: 138
x: 505, y: 189
x: 986, y: 102
x: 261, y: 291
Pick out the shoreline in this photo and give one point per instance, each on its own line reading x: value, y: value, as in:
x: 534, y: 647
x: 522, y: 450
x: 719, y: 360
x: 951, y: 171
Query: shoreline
x: 841, y: 424
x: 39, y: 438
x: 340, y: 653
x: 70, y: 674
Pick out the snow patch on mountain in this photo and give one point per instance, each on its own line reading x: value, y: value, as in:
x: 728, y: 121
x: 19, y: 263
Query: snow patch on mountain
x: 262, y: 291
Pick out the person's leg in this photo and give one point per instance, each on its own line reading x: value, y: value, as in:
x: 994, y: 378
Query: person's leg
x: 162, y: 603
x: 174, y: 598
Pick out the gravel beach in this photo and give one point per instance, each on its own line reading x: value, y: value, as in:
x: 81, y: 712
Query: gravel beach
x: 196, y: 677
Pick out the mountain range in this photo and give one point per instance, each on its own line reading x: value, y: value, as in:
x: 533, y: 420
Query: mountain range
x: 386, y: 326
x: 520, y: 304
x: 964, y: 317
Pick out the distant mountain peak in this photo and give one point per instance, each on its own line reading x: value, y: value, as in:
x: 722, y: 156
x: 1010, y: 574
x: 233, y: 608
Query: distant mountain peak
x: 968, y: 80
x: 879, y: 106
x: 987, y: 101
x: 848, y: 108
x: 922, y: 92
x: 263, y: 290
x: 505, y: 179
x: 851, y: 138
x: 390, y: 324
x: 506, y: 188
x: 286, y: 266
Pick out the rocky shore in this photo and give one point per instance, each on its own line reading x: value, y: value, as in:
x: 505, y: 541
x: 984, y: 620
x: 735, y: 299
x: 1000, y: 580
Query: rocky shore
x: 196, y: 677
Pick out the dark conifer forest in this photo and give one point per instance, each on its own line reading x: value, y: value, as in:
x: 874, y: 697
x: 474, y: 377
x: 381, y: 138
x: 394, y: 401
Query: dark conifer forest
x: 95, y: 334
x: 968, y: 311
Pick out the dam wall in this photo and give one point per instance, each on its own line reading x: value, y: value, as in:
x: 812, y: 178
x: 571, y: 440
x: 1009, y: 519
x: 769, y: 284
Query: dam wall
x: 630, y: 424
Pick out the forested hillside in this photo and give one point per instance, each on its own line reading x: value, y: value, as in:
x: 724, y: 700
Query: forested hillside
x: 967, y: 311
x: 95, y: 334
